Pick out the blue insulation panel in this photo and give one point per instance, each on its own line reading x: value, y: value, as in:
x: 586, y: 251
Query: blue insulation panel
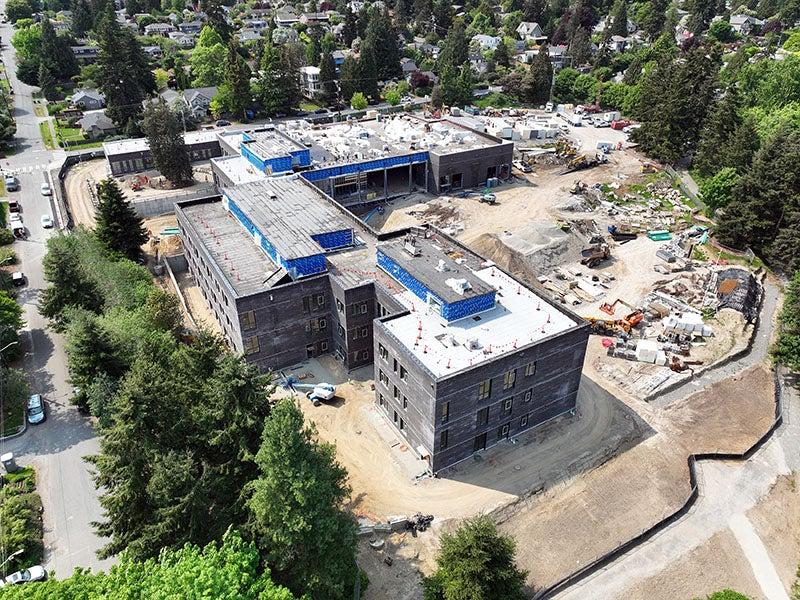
x: 450, y: 311
x: 334, y: 239
x: 303, y: 157
x: 308, y: 265
x: 371, y: 165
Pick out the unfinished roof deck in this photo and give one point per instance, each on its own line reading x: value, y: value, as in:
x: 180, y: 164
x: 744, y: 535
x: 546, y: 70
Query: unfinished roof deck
x: 141, y: 144
x: 353, y: 141
x: 270, y: 143
x: 246, y: 268
x: 288, y: 211
x: 238, y: 169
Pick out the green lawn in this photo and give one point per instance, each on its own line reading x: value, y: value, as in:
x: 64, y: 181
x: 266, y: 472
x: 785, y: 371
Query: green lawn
x: 47, y: 135
x: 309, y: 106
x: 71, y: 138
x: 21, y: 513
x: 39, y: 109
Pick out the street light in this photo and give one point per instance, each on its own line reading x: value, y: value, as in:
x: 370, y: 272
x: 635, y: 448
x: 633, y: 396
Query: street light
x: 10, y: 556
x: 8, y: 345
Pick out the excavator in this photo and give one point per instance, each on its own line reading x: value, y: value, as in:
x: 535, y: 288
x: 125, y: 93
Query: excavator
x: 615, y: 326
x: 679, y: 366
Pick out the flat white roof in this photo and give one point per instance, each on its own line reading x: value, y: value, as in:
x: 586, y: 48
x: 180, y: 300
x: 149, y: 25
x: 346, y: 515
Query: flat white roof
x: 519, y: 318
x: 140, y: 144
x: 238, y: 169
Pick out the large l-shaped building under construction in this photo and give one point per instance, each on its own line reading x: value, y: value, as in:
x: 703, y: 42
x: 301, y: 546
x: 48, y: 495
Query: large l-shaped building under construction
x: 464, y: 354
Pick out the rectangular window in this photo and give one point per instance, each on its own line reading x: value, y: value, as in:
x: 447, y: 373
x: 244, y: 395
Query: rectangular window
x: 530, y: 369
x: 528, y: 395
x: 381, y: 401
x: 251, y: 345
x: 509, y: 379
x: 339, y: 305
x: 383, y: 378
x: 403, y: 373
x: 394, y: 365
x: 503, y: 431
x: 405, y: 402
x: 383, y: 352
x: 402, y: 425
x: 507, y: 404
x: 320, y: 299
x: 483, y: 416
x: 395, y: 392
x: 364, y: 331
x: 523, y: 422
x: 395, y: 416
x: 365, y: 354
x: 306, y: 303
x: 484, y: 389
x: 443, y: 440
x: 445, y: 412
x: 323, y: 346
x: 340, y: 329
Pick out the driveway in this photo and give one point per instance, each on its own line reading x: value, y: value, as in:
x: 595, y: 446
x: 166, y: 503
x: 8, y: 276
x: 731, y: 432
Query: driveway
x: 55, y: 448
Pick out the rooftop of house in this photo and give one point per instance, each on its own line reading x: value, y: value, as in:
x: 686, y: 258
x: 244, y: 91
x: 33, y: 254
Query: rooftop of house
x: 245, y: 266
x: 518, y: 317
x: 354, y: 141
x: 237, y: 169
x: 140, y: 144
x: 288, y: 211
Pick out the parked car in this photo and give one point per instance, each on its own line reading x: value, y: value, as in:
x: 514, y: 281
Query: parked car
x: 47, y: 221
x: 46, y: 191
x: 321, y: 111
x: 12, y: 184
x: 602, y: 123
x: 222, y: 123
x: 36, y: 413
x: 14, y: 206
x: 522, y: 166
x: 18, y: 278
x: 36, y: 573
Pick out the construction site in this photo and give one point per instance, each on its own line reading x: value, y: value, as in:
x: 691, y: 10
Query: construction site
x: 676, y: 363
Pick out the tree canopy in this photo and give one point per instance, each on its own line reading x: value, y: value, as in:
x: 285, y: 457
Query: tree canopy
x: 118, y: 227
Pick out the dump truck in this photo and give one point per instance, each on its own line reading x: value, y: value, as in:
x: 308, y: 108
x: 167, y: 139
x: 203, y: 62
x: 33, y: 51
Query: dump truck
x: 596, y: 253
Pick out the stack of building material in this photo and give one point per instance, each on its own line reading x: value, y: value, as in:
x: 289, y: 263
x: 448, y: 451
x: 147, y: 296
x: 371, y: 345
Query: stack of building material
x: 649, y: 351
x: 686, y: 323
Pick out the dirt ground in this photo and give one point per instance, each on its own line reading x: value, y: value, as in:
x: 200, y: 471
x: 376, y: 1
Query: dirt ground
x: 81, y: 179
x: 776, y: 519
x: 718, y: 564
x: 197, y: 305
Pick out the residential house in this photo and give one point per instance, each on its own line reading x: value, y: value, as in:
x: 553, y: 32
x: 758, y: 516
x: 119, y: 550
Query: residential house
x: 355, y: 5
x: 256, y: 24
x: 558, y: 56
x: 61, y: 25
x: 249, y: 35
x: 152, y: 51
x: 478, y: 64
x: 408, y: 66
x: 487, y: 42
x: 319, y: 18
x: 309, y: 80
x: 617, y: 43
x: 530, y: 31
x: 88, y: 99
x: 198, y: 100
x: 191, y: 27
x: 608, y: 21
x: 285, y: 35
x: 286, y: 18
x: 96, y: 125
x: 169, y: 96
x: 745, y: 24
x: 162, y: 29
x: 183, y: 40
x: 85, y: 54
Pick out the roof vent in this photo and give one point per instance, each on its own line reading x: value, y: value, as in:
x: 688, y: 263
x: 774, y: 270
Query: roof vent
x: 442, y: 266
x: 460, y: 286
x: 473, y: 344
x: 411, y: 247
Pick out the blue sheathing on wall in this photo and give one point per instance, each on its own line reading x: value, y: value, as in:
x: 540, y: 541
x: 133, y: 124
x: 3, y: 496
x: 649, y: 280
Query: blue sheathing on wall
x: 308, y: 265
x: 303, y: 157
x: 450, y: 311
x: 254, y: 160
x: 469, y: 306
x: 278, y: 164
x: 371, y: 165
x: 334, y: 239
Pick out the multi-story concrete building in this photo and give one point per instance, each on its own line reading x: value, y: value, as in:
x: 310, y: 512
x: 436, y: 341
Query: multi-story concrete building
x: 464, y: 354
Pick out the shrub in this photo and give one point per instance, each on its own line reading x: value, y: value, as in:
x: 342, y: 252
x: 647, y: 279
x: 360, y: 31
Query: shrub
x: 6, y: 237
x: 8, y: 256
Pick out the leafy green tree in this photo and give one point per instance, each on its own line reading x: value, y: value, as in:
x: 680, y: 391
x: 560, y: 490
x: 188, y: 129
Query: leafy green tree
x: 208, y: 65
x: 380, y: 42
x: 19, y: 9
x: 539, y: 77
x: 358, y: 101
x: 727, y: 595
x: 329, y: 90
x: 476, y: 563
x: 10, y: 324
x: 296, y: 507
x: 456, y: 86
x: 787, y: 349
x: 167, y: 146
x: 119, y: 228
x: 721, y: 31
x: 700, y: 14
x: 652, y: 16
x: 237, y: 81
x: 501, y: 56
x: 217, y: 19
x: 717, y: 191
x: 70, y: 285
x: 348, y: 80
x: 229, y: 569
x: 277, y: 87
x: 82, y: 20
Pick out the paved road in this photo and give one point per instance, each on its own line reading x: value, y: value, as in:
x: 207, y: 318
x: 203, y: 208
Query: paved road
x: 57, y: 447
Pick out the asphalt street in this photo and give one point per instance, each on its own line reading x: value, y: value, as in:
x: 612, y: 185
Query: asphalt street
x: 55, y: 448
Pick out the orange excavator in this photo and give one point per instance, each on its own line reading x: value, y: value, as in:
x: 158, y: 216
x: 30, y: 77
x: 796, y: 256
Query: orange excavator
x: 633, y: 318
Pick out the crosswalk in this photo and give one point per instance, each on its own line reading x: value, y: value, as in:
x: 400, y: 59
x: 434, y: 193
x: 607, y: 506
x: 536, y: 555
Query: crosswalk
x: 28, y: 169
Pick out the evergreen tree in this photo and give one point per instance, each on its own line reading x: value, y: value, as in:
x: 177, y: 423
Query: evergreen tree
x: 718, y: 132
x: 119, y: 228
x: 277, y: 86
x: 215, y: 16
x: 501, y: 57
x: 82, y: 20
x: 476, y: 562
x: 350, y: 30
x: 380, y: 42
x: 312, y: 47
x: 367, y: 80
x: 539, y: 78
x: 237, y: 81
x: 69, y: 284
x: 90, y: 351
x: 402, y: 12
x: 652, y: 18
x: 436, y: 97
x: 442, y: 15
x: 167, y: 146
x: 329, y: 91
x: 296, y: 507
x: 700, y: 14
x: 534, y: 11
x: 456, y: 86
x: 455, y: 48
x: 348, y: 81
x: 580, y: 47
x: 47, y: 81
x: 619, y: 24
x: 423, y: 16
